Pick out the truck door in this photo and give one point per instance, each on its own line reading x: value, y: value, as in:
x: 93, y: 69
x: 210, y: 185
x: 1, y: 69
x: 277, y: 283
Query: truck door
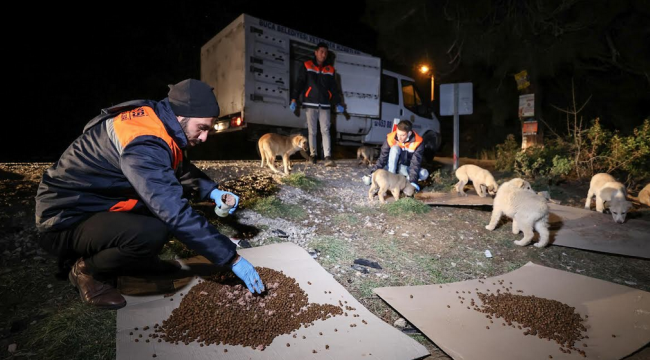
x: 359, y: 76
x: 390, y: 109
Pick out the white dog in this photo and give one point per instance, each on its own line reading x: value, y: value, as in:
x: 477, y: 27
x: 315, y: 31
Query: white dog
x: 528, y: 210
x: 609, y: 194
x: 482, y: 180
x: 644, y: 195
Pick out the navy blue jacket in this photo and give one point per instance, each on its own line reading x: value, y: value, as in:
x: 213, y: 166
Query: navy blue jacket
x: 101, y: 171
x: 317, y: 85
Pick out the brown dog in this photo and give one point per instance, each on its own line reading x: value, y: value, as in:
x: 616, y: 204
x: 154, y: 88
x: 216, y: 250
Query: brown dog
x: 365, y: 154
x: 272, y: 145
x: 383, y: 180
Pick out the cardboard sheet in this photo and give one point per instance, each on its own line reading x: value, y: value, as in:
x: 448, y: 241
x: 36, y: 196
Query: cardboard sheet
x: 612, y: 309
x: 591, y: 230
x: 571, y: 226
x: 376, y: 340
x: 453, y: 198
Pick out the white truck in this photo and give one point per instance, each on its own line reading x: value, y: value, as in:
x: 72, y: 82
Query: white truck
x: 252, y: 64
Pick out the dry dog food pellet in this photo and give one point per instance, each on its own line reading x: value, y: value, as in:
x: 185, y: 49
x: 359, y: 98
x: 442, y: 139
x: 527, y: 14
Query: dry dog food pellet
x: 327, y: 347
x: 544, y: 318
x: 288, y: 345
x: 448, y: 306
x: 314, y: 351
x: 206, y: 311
x: 411, y: 296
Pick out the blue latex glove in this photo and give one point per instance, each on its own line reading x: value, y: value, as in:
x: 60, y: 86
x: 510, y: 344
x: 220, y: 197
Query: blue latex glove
x: 339, y: 108
x: 416, y: 186
x: 217, y: 194
x: 292, y: 106
x: 245, y: 271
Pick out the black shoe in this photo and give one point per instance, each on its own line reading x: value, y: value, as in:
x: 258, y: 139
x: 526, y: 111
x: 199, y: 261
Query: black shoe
x: 312, y: 159
x: 329, y: 162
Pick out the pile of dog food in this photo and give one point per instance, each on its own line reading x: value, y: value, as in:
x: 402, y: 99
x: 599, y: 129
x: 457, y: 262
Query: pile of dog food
x: 544, y: 318
x: 222, y: 310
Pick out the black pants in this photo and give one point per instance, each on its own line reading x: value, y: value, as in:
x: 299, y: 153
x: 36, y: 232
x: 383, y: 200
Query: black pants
x: 110, y: 242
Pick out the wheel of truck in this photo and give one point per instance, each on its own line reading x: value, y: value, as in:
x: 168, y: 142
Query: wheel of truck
x: 431, y: 143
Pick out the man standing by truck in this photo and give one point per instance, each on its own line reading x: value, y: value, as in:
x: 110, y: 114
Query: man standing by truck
x: 317, y: 84
x: 112, y: 199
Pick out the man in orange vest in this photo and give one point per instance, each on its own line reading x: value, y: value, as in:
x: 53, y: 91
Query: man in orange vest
x: 402, y: 153
x: 317, y: 85
x: 111, y: 201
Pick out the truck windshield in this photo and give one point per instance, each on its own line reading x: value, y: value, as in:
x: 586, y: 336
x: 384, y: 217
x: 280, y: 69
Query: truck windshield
x: 412, y: 100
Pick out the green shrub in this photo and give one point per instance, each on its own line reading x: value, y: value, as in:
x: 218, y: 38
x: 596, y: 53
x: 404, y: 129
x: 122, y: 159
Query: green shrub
x: 506, y: 154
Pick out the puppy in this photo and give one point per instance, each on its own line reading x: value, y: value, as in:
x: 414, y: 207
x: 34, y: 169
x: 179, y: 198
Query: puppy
x: 482, y: 180
x: 609, y: 194
x: 383, y: 180
x: 527, y: 210
x: 644, y: 195
x: 365, y: 154
x: 272, y: 145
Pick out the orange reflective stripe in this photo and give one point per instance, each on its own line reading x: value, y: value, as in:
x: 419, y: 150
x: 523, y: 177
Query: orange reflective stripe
x: 311, y: 66
x: 127, y: 205
x: 416, y: 142
x: 329, y: 70
x: 144, y: 121
x: 390, y: 138
x: 410, y: 146
x: 329, y: 92
x: 307, y: 93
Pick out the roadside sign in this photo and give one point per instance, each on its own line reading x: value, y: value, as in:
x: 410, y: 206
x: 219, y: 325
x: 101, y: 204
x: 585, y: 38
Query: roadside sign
x: 465, y: 99
x: 526, y: 105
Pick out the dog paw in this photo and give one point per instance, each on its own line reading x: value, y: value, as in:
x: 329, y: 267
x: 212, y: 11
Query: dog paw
x: 489, y: 227
x: 520, y: 243
x: 515, y: 231
x: 539, y: 245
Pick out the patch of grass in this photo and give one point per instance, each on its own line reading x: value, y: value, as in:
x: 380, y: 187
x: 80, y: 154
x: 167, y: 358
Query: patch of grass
x: 365, y: 287
x: 77, y: 331
x: 441, y: 181
x: 302, y: 181
x: 273, y: 240
x: 273, y: 207
x: 346, y: 219
x: 175, y: 248
x: 333, y: 250
x: 406, y: 206
x: 437, y: 271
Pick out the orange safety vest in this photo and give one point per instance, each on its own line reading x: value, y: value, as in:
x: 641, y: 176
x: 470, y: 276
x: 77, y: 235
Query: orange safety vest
x: 391, y: 138
x: 131, y: 124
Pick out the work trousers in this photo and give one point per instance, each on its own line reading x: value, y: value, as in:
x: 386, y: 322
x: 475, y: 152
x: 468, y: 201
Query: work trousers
x: 393, y: 159
x: 110, y: 242
x: 321, y: 115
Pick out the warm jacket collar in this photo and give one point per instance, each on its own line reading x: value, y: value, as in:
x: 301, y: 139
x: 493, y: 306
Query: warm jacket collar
x: 172, y: 125
x: 325, y: 63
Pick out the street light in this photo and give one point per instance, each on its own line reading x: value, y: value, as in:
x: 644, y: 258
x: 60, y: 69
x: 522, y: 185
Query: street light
x: 427, y: 70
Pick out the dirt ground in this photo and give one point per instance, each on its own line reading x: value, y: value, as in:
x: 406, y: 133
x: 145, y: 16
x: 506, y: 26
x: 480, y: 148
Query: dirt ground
x: 332, y: 218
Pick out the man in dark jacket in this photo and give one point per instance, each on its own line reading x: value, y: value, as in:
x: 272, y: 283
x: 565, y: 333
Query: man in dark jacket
x: 120, y: 189
x: 402, y: 153
x: 317, y: 84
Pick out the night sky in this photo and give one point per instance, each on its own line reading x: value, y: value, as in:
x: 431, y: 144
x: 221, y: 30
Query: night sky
x: 67, y: 62
x: 78, y: 60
